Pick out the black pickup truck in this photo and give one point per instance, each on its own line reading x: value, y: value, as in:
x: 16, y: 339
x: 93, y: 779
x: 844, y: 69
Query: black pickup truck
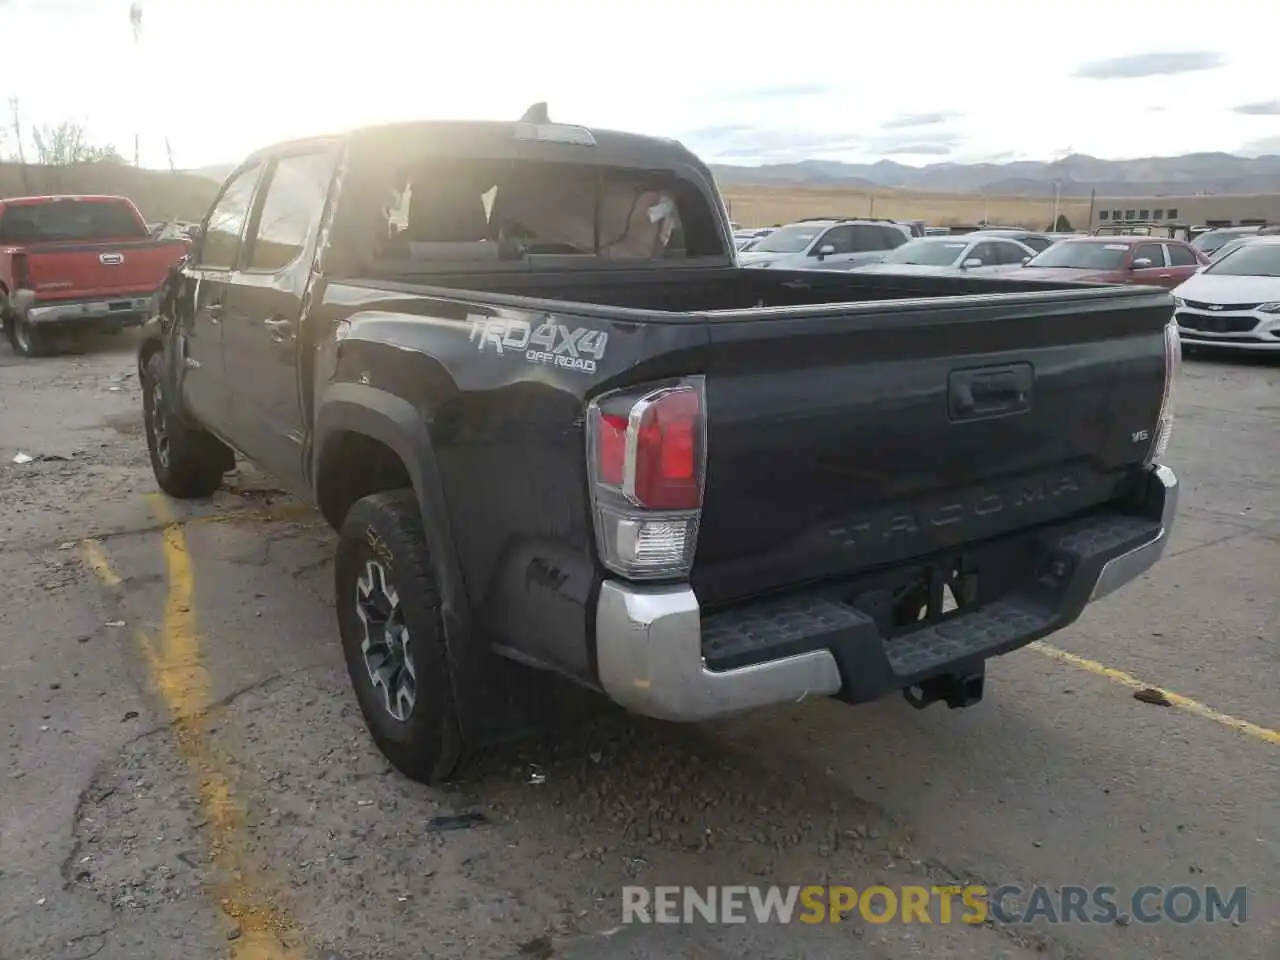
x: 518, y: 369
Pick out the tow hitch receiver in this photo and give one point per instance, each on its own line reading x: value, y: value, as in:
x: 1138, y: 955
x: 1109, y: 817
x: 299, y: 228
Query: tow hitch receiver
x: 957, y: 689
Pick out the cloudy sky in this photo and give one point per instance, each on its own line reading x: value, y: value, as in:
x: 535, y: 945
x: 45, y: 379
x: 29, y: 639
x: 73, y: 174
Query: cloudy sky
x: 739, y: 81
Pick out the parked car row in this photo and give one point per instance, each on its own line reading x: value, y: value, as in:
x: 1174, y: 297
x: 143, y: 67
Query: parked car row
x: 855, y: 243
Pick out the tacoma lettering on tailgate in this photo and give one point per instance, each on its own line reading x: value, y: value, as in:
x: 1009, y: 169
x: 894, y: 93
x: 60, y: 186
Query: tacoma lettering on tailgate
x: 550, y: 342
x: 938, y: 514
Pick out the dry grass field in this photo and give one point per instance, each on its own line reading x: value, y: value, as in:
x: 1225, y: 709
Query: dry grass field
x: 762, y: 206
x: 157, y: 194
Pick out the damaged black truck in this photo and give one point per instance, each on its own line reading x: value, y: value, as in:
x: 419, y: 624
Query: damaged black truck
x: 557, y: 428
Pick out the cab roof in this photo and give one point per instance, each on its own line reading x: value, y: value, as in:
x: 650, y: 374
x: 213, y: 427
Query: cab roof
x: 487, y: 136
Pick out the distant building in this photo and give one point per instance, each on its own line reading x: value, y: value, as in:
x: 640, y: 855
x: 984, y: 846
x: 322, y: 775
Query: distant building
x: 1226, y: 210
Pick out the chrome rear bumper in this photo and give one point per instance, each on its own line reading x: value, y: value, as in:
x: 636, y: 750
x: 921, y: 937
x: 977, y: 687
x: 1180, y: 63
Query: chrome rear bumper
x: 649, y: 639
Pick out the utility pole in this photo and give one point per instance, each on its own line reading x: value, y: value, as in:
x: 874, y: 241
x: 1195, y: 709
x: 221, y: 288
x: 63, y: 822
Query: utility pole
x: 1093, y: 195
x: 135, y: 25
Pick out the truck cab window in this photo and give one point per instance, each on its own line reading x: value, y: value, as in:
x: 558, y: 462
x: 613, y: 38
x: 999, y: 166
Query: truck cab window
x: 295, y: 198
x: 220, y: 244
x: 452, y: 210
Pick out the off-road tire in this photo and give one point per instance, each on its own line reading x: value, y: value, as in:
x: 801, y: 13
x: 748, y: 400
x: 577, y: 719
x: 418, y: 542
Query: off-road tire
x: 386, y: 529
x: 193, y: 462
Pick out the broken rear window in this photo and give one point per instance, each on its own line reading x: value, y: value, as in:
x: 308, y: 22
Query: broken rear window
x: 64, y: 220
x: 447, y: 210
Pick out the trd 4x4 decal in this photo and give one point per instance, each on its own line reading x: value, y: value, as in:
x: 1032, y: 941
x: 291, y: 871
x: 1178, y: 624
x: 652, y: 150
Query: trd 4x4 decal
x: 550, y: 342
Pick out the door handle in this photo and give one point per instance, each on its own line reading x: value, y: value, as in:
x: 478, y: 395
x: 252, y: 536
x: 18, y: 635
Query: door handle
x: 1166, y: 276
x: 215, y: 311
x: 279, y: 329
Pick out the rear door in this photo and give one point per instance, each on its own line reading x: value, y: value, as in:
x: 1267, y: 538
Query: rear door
x: 1157, y: 274
x: 1009, y: 253
x: 1182, y: 262
x: 846, y: 438
x: 263, y: 307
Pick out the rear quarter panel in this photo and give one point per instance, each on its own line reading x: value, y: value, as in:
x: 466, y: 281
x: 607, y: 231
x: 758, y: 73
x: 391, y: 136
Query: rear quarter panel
x: 504, y: 416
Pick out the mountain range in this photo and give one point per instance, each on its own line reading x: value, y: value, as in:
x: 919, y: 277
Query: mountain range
x: 1077, y: 175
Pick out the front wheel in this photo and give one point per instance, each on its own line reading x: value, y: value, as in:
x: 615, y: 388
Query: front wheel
x: 27, y: 339
x: 187, y: 463
x: 388, y: 606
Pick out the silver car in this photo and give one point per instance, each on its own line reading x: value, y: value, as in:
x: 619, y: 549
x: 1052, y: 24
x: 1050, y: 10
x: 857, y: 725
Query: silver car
x: 951, y: 255
x: 826, y: 244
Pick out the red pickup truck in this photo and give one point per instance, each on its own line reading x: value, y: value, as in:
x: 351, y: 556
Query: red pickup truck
x: 69, y: 264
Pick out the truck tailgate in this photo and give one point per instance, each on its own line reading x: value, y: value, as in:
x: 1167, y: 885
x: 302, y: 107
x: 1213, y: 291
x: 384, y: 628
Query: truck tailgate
x: 840, y: 439
x: 68, y: 271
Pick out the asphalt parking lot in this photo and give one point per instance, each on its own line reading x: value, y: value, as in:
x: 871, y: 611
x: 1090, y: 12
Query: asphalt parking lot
x: 185, y: 773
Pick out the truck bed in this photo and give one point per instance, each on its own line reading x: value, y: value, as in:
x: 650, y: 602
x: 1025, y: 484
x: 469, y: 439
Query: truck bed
x: 700, y: 290
x: 835, y: 443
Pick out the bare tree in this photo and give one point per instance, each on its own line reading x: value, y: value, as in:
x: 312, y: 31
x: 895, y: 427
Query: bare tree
x: 66, y: 143
x: 15, y: 124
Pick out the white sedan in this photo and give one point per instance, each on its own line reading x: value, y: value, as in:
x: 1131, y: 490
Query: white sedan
x: 950, y: 255
x: 1235, y: 301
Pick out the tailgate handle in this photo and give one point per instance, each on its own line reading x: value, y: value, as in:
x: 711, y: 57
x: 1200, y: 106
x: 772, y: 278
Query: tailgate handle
x: 990, y: 391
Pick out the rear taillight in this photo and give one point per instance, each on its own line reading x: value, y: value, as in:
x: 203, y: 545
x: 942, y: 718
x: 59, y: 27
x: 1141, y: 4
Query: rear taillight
x: 1172, y: 371
x: 21, y: 272
x: 647, y: 462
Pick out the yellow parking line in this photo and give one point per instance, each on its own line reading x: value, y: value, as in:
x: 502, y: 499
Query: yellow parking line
x: 96, y: 560
x: 1175, y: 699
x: 266, y: 931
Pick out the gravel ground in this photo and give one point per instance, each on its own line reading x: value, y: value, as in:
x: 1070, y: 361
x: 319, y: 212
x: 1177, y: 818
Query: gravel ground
x: 261, y: 823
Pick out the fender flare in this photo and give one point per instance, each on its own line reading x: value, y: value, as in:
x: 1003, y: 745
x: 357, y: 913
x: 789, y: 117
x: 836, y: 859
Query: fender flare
x: 399, y: 425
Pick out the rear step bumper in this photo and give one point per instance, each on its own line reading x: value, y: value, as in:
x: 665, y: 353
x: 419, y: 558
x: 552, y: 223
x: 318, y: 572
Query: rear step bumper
x: 657, y: 654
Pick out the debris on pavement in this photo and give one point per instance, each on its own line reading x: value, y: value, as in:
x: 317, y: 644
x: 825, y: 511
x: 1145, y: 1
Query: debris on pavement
x: 1151, y: 695
x: 23, y: 457
x: 461, y: 821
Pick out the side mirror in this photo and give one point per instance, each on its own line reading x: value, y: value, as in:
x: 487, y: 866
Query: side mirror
x: 1141, y: 263
x: 1025, y: 261
x: 826, y: 250
x: 971, y: 263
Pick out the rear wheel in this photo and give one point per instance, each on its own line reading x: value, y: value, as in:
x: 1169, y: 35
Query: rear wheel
x: 187, y: 463
x: 393, y: 641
